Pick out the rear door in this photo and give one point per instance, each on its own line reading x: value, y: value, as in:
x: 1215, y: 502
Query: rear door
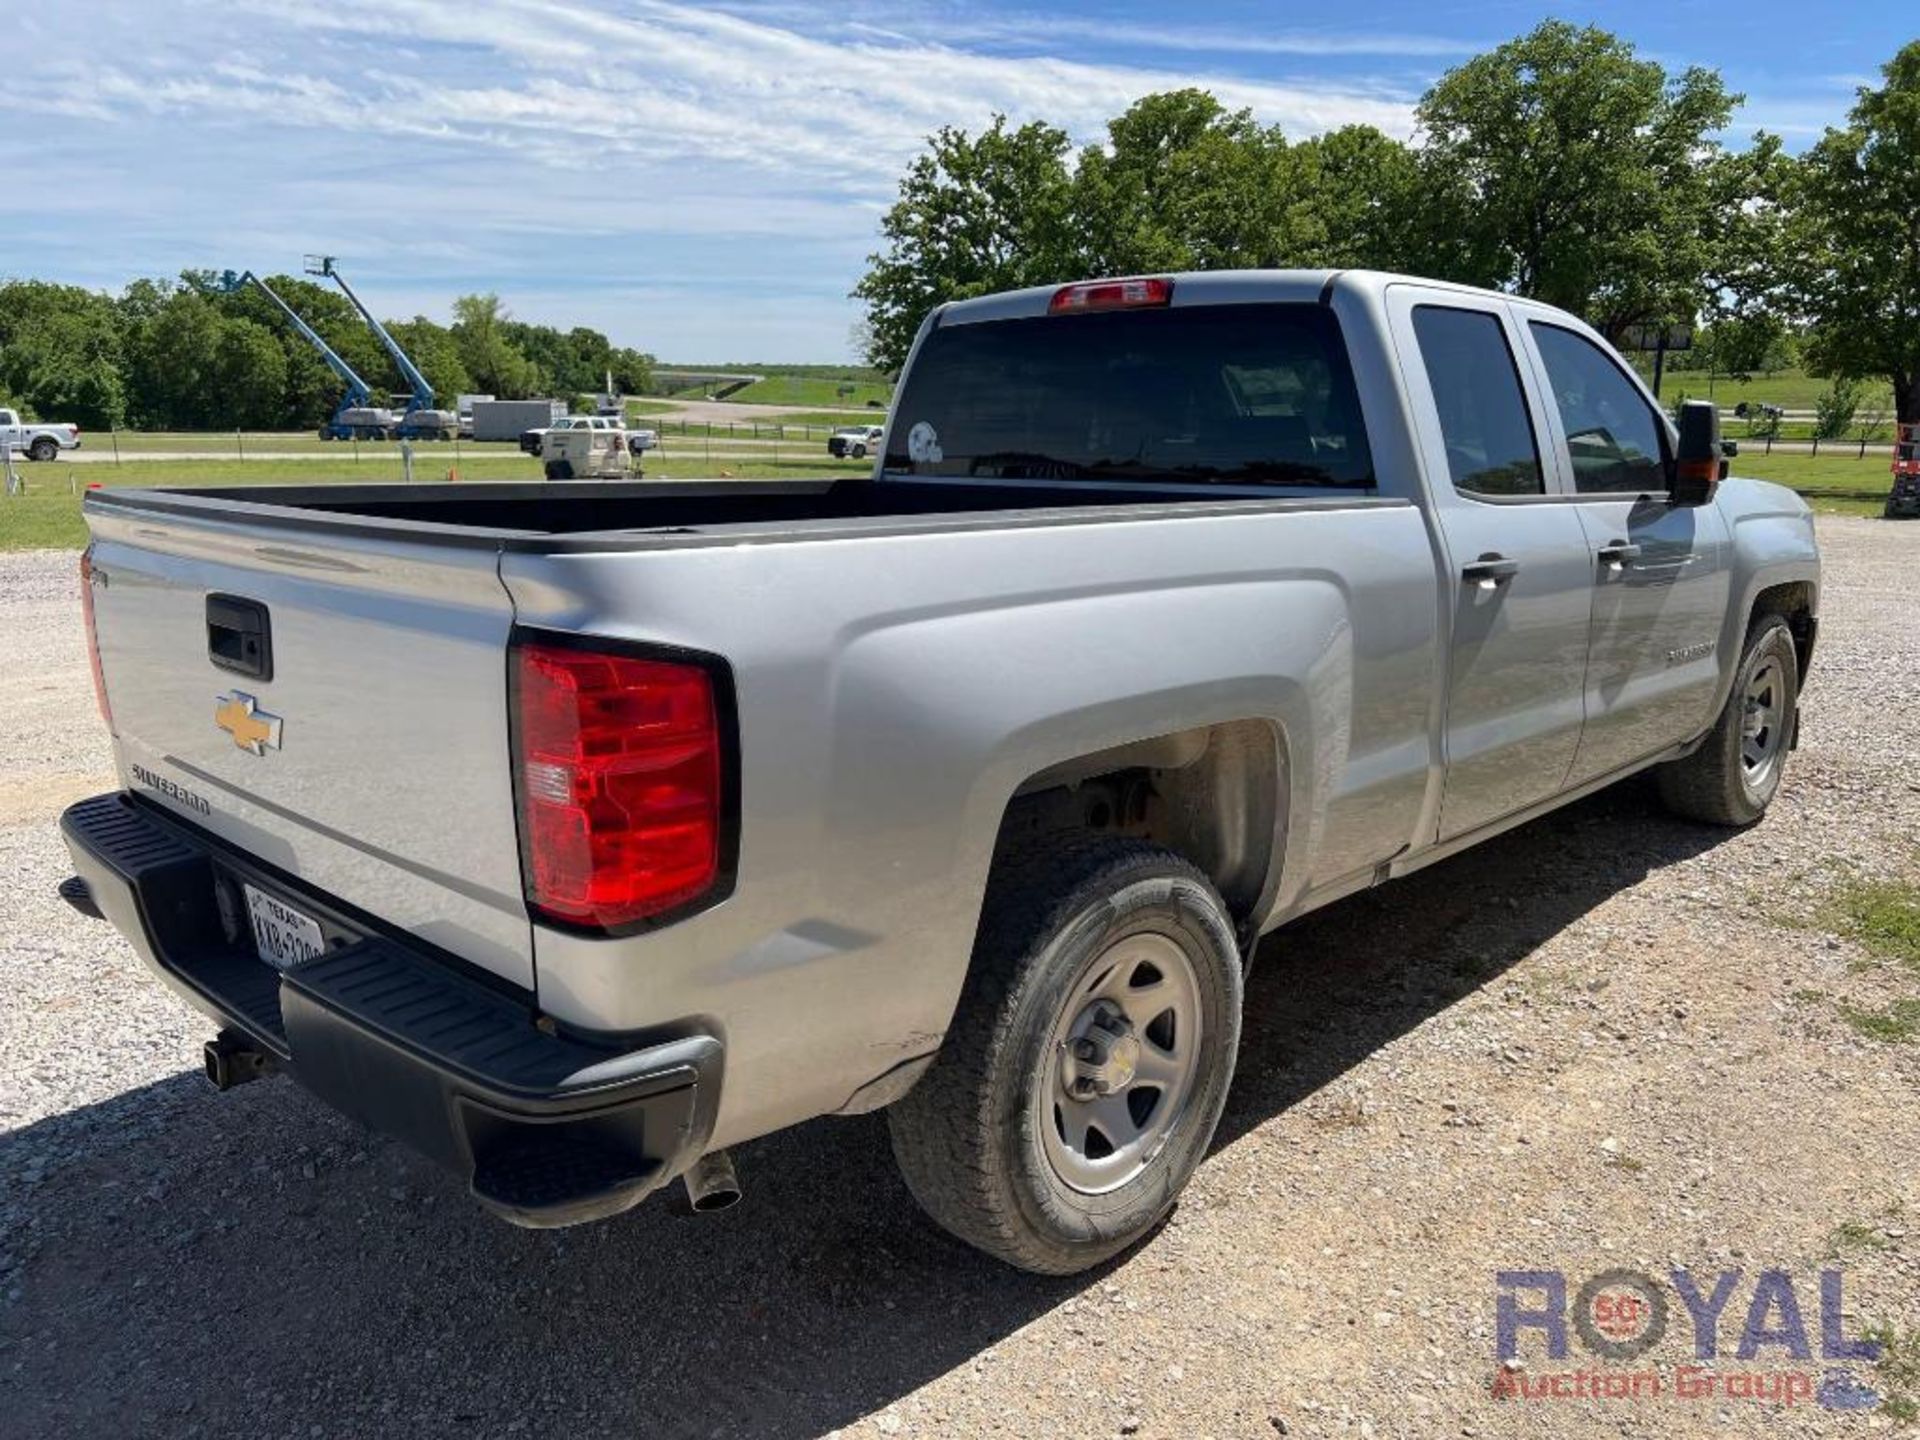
x: 1660, y: 573
x: 1518, y: 576
x: 370, y: 759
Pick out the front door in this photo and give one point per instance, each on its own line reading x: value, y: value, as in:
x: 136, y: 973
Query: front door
x: 1661, y: 580
x: 1518, y: 577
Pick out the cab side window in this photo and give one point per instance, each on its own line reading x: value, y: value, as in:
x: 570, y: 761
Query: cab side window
x: 1613, y: 435
x: 1491, y: 449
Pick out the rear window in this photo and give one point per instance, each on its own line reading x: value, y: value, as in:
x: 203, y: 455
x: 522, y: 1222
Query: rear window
x: 1229, y: 394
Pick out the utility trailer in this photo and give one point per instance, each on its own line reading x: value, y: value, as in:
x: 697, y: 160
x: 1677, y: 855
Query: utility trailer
x: 508, y: 419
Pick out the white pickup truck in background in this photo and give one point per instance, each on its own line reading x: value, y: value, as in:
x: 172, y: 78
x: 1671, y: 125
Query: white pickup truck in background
x: 41, y: 442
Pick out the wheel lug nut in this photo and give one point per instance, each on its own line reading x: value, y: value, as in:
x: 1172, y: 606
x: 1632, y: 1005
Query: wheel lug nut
x: 1084, y: 1049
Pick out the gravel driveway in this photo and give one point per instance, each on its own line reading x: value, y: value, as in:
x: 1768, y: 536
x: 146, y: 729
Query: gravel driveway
x: 1608, y: 1039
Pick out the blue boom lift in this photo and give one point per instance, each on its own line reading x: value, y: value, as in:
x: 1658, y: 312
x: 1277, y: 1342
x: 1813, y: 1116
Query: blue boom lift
x: 421, y: 420
x: 356, y: 417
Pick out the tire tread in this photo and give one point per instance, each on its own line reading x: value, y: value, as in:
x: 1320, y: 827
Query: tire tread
x: 943, y: 1129
x: 1705, y: 785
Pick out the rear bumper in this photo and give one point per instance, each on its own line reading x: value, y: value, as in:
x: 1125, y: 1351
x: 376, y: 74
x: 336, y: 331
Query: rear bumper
x: 546, y: 1128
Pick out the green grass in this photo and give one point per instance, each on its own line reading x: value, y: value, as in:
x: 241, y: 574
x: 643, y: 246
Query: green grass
x: 1882, y: 916
x: 1789, y: 389
x: 829, y: 419
x: 40, y: 522
x: 1853, y: 1236
x: 1898, y: 1371
x: 816, y: 391
x: 1832, y: 484
x: 244, y: 445
x: 48, y: 515
x: 651, y: 407
x: 1895, y: 1025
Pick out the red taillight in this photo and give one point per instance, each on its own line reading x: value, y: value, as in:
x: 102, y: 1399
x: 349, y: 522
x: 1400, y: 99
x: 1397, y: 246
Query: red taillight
x: 1110, y: 295
x: 93, y: 636
x: 621, y: 781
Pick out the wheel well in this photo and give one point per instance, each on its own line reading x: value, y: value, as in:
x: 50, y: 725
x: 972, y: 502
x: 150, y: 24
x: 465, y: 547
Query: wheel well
x: 1214, y: 794
x: 1792, y: 602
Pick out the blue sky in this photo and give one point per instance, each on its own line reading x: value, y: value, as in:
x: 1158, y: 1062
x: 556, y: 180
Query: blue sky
x: 699, y: 181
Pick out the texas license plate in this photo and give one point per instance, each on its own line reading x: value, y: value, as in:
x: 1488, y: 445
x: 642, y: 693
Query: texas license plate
x: 283, y: 936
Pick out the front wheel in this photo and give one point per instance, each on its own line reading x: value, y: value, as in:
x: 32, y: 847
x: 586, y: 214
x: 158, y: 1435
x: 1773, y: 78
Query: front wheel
x: 1089, y: 1058
x: 1734, y: 775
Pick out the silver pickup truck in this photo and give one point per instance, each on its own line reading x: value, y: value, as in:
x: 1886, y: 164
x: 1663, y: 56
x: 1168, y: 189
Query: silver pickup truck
x: 574, y: 833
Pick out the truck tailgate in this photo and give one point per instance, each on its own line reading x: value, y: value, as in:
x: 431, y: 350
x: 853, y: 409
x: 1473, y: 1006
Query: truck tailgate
x: 373, y: 765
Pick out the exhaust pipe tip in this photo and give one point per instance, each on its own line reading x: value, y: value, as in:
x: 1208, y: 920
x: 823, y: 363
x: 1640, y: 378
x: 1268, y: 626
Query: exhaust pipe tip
x: 711, y: 1184
x: 231, y: 1059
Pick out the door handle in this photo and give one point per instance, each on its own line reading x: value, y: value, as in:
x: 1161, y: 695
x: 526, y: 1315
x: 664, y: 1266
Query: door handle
x: 1618, y: 554
x: 1489, y: 570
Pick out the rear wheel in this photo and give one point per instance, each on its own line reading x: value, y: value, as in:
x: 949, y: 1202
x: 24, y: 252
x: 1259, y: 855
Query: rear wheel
x: 1089, y: 1058
x: 43, y: 449
x: 1734, y: 775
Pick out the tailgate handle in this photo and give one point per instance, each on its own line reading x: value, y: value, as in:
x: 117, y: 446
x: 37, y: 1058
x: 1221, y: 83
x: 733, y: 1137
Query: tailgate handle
x: 239, y: 637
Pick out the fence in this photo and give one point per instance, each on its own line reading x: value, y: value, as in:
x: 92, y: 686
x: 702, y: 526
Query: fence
x: 116, y: 456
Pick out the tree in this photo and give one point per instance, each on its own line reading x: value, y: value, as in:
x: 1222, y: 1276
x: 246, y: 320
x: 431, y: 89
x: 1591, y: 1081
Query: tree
x: 60, y: 353
x: 1744, y: 343
x: 1833, y: 412
x: 248, y: 373
x: 1581, y: 175
x: 480, y: 327
x: 1355, y: 199
x: 1183, y: 184
x: 1855, y: 231
x: 976, y: 214
x: 1870, y: 424
x: 171, y: 376
x: 434, y: 349
x: 632, y: 371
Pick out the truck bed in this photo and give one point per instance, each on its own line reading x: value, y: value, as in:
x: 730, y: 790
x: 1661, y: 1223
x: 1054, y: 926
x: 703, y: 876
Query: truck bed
x: 547, y: 515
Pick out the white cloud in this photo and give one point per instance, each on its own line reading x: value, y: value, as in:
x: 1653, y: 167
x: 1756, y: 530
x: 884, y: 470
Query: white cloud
x: 541, y: 146
x: 1177, y: 36
x: 662, y: 78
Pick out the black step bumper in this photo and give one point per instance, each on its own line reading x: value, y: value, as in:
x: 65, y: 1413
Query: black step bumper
x: 547, y: 1128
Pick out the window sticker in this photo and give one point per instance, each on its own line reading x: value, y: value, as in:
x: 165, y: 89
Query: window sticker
x: 923, y: 444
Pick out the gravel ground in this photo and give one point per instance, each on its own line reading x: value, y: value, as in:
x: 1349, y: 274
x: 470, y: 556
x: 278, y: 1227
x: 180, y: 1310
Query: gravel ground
x: 1608, y: 1039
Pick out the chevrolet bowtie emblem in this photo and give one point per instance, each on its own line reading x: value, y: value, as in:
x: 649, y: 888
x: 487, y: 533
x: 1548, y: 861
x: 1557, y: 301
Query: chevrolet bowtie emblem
x: 252, y: 728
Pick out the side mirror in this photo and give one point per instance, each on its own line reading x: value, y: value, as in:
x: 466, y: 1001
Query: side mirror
x: 1699, y: 463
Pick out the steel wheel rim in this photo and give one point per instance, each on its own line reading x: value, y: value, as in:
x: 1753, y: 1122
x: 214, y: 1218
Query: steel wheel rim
x: 1137, y: 1004
x: 1762, y: 723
